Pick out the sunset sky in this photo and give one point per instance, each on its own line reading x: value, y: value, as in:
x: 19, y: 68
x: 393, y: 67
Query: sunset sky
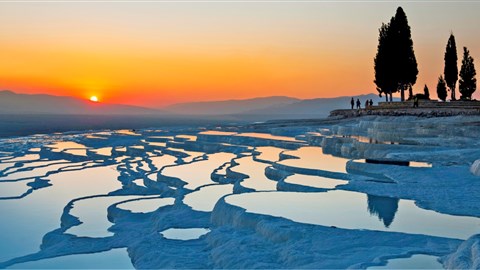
x: 159, y: 53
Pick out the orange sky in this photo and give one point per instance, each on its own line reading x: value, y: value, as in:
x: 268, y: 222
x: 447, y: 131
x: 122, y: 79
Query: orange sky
x: 155, y: 54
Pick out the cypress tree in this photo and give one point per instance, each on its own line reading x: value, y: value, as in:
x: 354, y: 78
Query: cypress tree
x: 426, y: 92
x: 441, y: 89
x: 468, y: 83
x: 404, y: 55
x: 451, y: 70
x: 384, y: 73
x: 395, y: 62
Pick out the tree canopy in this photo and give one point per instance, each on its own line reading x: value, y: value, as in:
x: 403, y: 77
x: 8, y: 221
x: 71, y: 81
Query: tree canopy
x: 426, y: 92
x: 451, y: 70
x: 468, y: 82
x: 441, y: 89
x: 395, y: 63
x: 384, y: 72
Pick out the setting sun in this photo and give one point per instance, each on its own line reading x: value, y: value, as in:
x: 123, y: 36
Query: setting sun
x: 94, y: 98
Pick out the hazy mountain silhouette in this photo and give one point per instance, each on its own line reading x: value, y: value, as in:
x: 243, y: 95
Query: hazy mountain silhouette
x: 13, y: 103
x: 271, y: 107
x: 22, y: 114
x: 255, y: 109
x: 318, y: 107
x: 234, y: 106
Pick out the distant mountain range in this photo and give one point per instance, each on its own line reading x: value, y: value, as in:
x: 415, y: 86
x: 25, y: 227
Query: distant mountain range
x: 271, y: 107
x: 235, y: 106
x: 260, y: 109
x: 13, y: 103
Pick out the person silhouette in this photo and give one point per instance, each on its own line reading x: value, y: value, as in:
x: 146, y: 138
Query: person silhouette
x: 358, y: 104
x: 371, y: 103
x: 352, y: 102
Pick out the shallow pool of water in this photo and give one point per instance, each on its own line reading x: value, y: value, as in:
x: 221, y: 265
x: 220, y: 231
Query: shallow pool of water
x: 354, y: 210
x: 161, y: 161
x: 256, y: 174
x: 13, y: 189
x: 127, y: 132
x: 32, y: 165
x: 139, y: 182
x: 186, y: 137
x: 157, y: 144
x: 44, y: 207
x: 104, y: 151
x: 146, y: 204
x: 267, y: 136
x: 268, y: 153
x: 202, y: 170
x: 76, y: 152
x: 312, y: 157
x: 314, y: 181
x: 191, y: 154
x: 37, y: 172
x: 206, y: 198
x: 216, y: 132
x: 62, y: 146
x: 29, y: 157
x: 184, y: 234
x: 92, y: 212
x: 417, y: 261
x: 112, y: 259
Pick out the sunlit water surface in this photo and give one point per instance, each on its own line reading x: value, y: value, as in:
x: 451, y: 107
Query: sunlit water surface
x: 143, y: 173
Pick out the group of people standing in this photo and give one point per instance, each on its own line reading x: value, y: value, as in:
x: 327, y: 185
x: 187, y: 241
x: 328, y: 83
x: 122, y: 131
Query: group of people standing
x: 368, y: 103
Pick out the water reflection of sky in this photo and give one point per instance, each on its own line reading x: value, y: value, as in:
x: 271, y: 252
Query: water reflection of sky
x: 417, y: 261
x: 112, y: 259
x: 217, y: 132
x: 184, y: 234
x: 267, y: 136
x: 268, y: 153
x: 92, y: 212
x: 256, y: 174
x: 314, y: 181
x: 206, y: 198
x: 203, y: 169
x: 350, y: 210
x: 63, y: 145
x: 313, y: 158
x: 146, y: 204
x: 44, y: 207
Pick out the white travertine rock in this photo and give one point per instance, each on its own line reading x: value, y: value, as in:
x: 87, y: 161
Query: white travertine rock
x: 475, y: 168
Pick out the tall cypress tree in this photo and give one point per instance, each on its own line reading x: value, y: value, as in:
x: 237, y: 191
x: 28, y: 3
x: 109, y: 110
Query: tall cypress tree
x: 451, y: 70
x: 441, y: 89
x: 384, y: 74
x: 404, y: 55
x: 468, y: 83
x: 426, y: 92
x: 395, y: 62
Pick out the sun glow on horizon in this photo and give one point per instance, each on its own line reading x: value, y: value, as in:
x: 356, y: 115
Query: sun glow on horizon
x: 157, y: 54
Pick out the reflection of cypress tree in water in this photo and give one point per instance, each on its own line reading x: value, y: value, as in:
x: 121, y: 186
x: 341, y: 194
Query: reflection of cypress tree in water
x: 383, y: 207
